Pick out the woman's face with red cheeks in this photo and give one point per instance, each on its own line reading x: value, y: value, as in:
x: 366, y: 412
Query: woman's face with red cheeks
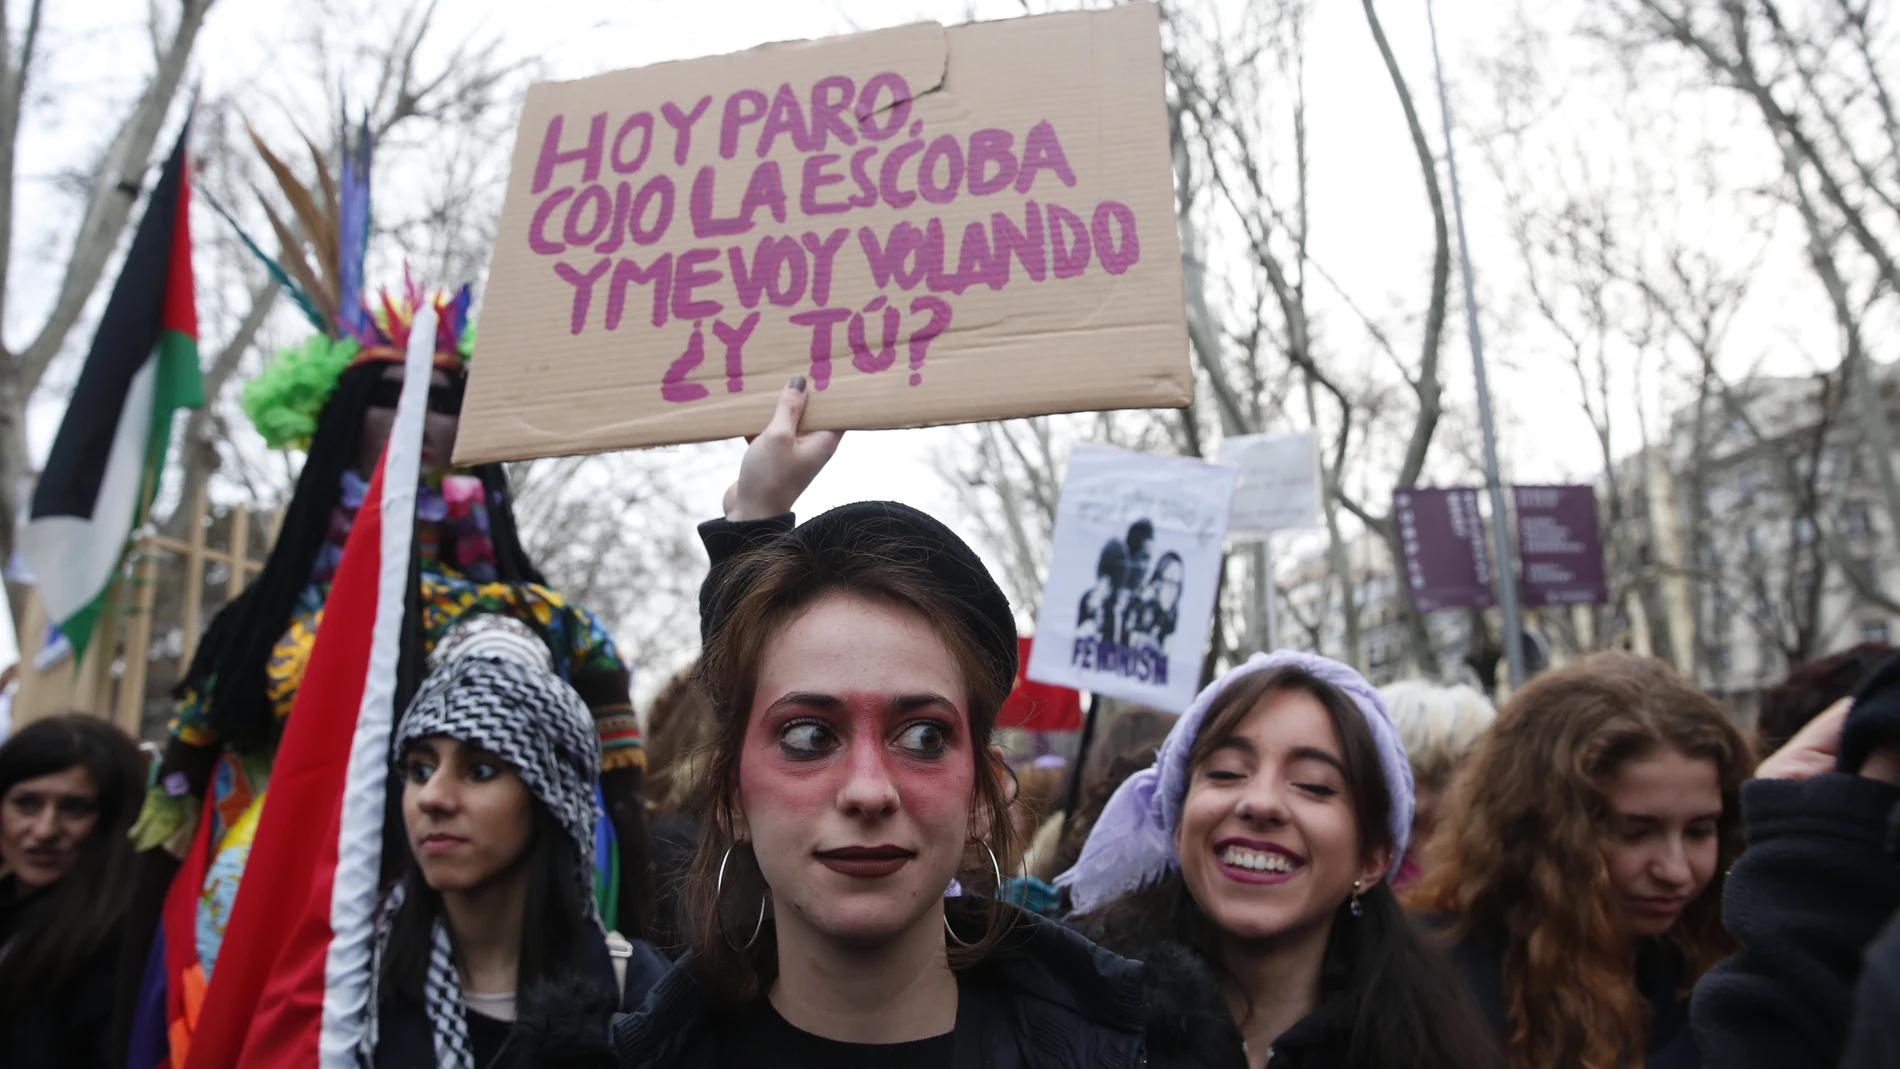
x: 857, y: 773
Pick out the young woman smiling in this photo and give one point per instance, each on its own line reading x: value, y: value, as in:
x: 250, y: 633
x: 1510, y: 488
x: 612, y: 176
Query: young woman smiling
x: 69, y: 788
x: 1260, y: 842
x: 1580, y: 859
x: 855, y: 666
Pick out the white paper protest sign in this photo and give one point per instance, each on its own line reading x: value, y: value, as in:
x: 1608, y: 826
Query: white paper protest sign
x: 1133, y: 575
x: 1279, y: 481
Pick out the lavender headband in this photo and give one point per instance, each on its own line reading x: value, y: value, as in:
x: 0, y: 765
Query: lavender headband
x: 1132, y: 845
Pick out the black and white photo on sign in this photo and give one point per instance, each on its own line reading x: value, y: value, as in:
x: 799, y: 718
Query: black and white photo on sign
x: 1136, y: 598
x: 1132, y: 578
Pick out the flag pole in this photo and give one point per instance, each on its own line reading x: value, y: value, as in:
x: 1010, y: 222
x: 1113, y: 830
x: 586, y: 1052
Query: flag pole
x: 1072, y: 792
x: 1500, y: 523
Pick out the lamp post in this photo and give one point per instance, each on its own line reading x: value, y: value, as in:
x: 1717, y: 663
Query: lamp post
x: 1500, y: 526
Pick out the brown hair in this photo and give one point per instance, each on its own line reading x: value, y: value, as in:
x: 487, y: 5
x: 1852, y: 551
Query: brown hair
x: 773, y: 583
x: 1038, y: 792
x: 1399, y: 999
x: 1811, y: 687
x: 1134, y: 731
x: 675, y: 728
x: 1518, y: 852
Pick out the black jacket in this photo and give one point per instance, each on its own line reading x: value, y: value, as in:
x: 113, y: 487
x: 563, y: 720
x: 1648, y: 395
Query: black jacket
x: 1818, y: 881
x: 68, y: 1027
x: 1046, y: 998
x: 1874, y: 1039
x: 1318, y: 1041
x: 582, y: 998
x: 1659, y: 978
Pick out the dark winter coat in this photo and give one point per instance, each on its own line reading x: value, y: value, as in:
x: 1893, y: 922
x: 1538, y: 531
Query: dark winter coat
x: 584, y: 995
x: 1317, y: 1041
x: 1659, y: 978
x: 65, y: 1028
x: 1819, y: 880
x: 1045, y: 998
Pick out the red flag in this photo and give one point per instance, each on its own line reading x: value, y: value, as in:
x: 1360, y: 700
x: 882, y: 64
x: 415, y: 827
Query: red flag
x: 292, y: 976
x: 279, y: 929
x: 1039, y: 706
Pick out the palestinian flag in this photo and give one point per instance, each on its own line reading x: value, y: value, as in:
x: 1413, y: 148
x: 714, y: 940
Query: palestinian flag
x: 106, y: 460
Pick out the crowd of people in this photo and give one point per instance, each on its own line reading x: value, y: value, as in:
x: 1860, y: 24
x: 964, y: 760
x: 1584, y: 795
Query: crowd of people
x: 823, y: 856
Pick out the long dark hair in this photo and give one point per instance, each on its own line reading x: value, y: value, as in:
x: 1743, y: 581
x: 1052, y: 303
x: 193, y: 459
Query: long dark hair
x: 1398, y: 999
x: 75, y: 916
x: 551, y: 923
x: 777, y: 580
x: 228, y: 669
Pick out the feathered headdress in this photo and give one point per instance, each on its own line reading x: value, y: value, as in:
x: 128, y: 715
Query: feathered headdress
x: 322, y: 271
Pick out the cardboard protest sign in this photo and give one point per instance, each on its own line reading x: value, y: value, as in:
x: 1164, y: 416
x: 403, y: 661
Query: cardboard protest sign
x: 1279, y: 481
x: 1133, y: 574
x: 934, y: 225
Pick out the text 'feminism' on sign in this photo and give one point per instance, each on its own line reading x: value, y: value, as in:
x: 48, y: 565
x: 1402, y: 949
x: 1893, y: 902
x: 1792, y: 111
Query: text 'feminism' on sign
x: 603, y: 192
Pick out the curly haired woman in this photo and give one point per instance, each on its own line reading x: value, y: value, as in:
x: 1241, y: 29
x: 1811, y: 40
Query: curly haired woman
x: 1578, y: 868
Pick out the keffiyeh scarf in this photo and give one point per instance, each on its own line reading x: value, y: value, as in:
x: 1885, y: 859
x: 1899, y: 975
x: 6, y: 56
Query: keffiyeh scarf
x: 494, y: 688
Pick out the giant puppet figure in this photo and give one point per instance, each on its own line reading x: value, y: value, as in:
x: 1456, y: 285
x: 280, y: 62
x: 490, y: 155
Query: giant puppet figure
x: 335, y: 399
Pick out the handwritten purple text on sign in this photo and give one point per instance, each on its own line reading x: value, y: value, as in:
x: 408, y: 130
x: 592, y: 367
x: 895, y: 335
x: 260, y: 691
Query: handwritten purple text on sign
x: 608, y: 186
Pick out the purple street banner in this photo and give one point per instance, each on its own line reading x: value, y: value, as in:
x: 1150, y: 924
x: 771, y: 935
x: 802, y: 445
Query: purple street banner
x: 1441, y: 532
x: 1560, y: 546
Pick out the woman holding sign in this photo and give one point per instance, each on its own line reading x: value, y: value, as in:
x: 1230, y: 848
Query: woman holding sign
x: 1260, y: 842
x: 856, y: 664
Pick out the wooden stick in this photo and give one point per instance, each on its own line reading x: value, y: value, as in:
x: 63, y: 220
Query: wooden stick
x: 92, y: 689
x: 239, y: 555
x: 138, y: 640
x: 194, y: 577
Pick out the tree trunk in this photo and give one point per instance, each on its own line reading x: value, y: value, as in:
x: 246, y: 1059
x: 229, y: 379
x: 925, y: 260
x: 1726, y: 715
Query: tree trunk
x: 13, y: 468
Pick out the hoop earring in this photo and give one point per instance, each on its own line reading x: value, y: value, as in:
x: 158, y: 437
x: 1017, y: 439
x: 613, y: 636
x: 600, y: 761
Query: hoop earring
x: 719, y: 886
x: 1358, y: 908
x: 998, y: 869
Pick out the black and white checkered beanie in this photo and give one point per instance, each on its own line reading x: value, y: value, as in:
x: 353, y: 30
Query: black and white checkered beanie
x: 503, y: 697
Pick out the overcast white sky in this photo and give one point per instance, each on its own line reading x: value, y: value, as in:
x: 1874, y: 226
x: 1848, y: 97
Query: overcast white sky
x: 1369, y: 226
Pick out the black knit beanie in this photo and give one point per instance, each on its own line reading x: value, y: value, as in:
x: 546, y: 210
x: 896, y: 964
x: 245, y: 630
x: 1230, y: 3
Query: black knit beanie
x: 911, y: 537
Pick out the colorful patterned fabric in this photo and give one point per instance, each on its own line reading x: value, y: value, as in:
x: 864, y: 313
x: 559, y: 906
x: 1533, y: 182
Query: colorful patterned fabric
x: 221, y: 882
x: 621, y: 744
x: 576, y: 637
x: 451, y: 510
